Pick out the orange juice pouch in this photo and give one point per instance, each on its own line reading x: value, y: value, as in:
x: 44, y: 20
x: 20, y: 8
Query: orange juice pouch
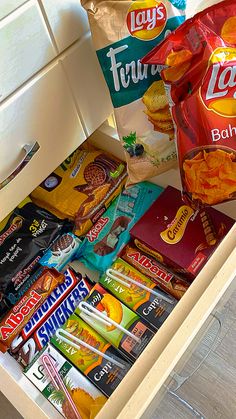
x: 123, y: 32
x: 198, y: 63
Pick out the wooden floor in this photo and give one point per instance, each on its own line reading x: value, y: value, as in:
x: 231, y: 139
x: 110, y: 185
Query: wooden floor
x: 210, y: 392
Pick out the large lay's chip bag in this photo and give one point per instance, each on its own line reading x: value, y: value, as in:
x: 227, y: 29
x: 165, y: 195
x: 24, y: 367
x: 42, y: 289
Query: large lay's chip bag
x: 123, y: 32
x: 82, y: 187
x: 199, y: 69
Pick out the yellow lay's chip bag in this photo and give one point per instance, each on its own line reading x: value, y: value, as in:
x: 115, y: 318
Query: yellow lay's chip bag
x: 82, y: 187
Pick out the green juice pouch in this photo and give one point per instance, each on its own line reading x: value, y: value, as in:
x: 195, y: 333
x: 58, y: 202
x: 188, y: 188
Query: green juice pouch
x: 119, y: 325
x: 105, y: 370
x: 124, y: 31
x: 152, y: 304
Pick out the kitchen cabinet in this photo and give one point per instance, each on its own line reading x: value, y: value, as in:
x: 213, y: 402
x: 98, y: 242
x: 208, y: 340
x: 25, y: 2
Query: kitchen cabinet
x: 58, y: 100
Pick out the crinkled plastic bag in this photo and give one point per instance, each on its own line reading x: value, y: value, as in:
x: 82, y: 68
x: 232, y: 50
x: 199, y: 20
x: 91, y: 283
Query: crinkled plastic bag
x: 123, y: 32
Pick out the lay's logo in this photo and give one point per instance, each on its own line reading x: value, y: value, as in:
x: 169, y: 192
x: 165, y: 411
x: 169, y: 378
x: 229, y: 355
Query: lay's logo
x: 218, y: 90
x: 176, y: 229
x: 146, y: 19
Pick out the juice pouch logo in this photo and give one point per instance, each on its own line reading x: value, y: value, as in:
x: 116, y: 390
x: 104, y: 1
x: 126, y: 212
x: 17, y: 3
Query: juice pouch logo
x: 146, y: 19
x: 175, y: 231
x: 218, y: 91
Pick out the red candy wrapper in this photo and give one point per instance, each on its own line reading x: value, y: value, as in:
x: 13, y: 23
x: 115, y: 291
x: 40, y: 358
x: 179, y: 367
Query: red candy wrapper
x: 19, y: 315
x: 199, y: 70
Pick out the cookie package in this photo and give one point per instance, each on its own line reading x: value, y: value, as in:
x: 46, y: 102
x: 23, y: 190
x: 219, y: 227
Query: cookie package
x: 25, y: 234
x: 198, y: 68
x: 123, y: 32
x: 111, y: 232
x: 61, y: 252
x: 82, y: 187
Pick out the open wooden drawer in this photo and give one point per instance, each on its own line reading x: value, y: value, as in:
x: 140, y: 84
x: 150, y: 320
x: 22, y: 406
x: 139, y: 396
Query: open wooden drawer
x: 141, y: 390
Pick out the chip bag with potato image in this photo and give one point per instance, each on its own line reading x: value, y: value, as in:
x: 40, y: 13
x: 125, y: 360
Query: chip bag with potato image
x: 123, y: 32
x: 198, y: 65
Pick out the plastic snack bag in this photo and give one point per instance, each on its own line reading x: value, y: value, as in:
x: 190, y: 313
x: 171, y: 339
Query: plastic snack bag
x: 82, y: 187
x: 199, y: 69
x: 123, y: 32
x: 105, y: 239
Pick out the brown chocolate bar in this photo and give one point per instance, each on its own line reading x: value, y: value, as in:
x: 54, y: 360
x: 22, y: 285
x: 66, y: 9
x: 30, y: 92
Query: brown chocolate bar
x: 162, y: 276
x: 19, y: 315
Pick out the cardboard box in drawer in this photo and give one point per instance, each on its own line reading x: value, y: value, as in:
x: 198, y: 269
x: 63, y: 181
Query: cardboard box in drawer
x: 179, y: 237
x: 86, y: 397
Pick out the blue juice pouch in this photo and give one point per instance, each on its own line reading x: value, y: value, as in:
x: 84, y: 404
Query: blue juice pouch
x: 111, y: 232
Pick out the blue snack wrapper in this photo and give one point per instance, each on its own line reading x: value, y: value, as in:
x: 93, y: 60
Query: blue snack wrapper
x: 111, y: 232
x: 61, y: 252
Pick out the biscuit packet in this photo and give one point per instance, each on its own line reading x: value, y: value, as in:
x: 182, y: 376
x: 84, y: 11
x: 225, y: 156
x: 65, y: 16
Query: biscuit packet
x: 82, y: 187
x: 198, y: 67
x: 123, y: 32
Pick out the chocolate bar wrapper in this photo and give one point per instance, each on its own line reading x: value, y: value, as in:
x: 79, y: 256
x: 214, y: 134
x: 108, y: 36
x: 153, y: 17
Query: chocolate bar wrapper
x: 104, y: 374
x: 26, y: 348
x: 12, y: 324
x: 48, y: 307
x: 153, y: 308
x: 107, y: 304
x: 179, y: 236
x: 161, y: 275
x: 61, y: 252
x: 103, y: 242
x: 87, y: 398
x: 25, y: 234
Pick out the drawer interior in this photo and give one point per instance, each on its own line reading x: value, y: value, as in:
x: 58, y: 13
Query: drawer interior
x: 137, y: 392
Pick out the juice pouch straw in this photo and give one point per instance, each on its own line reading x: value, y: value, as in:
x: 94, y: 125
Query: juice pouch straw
x: 123, y: 32
x: 86, y: 397
x: 91, y: 354
x: 138, y: 292
x: 123, y: 328
x: 59, y: 385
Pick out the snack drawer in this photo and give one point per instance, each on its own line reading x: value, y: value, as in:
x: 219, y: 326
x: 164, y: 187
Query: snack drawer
x: 42, y: 112
x: 142, y: 388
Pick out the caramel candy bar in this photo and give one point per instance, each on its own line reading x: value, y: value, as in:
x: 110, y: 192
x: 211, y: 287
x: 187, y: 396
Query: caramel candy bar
x: 147, y: 265
x: 19, y: 315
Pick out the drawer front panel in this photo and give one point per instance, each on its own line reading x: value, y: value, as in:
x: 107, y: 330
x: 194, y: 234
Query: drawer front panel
x: 67, y: 19
x: 25, y: 45
x: 42, y: 112
x: 8, y: 6
x: 87, y: 84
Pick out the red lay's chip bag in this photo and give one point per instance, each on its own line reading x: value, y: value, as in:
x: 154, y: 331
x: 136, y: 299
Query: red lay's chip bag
x: 199, y: 70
